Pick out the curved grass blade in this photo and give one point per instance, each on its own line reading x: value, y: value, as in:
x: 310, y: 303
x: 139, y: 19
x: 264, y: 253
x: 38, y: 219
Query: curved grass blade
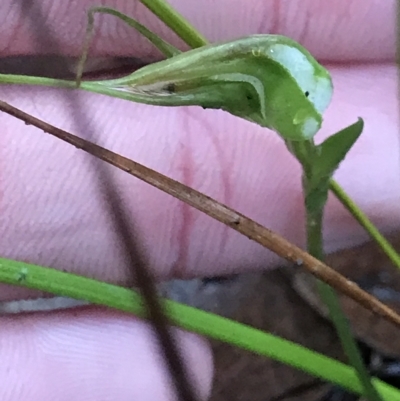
x: 164, y: 47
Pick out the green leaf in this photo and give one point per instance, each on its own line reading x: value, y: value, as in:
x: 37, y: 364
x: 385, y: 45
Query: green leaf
x: 334, y: 149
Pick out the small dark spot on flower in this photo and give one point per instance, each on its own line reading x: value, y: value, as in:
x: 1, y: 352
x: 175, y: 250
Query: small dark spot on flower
x: 307, y: 93
x: 170, y: 88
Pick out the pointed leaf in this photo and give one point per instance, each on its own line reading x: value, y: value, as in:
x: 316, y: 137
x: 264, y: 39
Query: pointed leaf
x: 334, y: 149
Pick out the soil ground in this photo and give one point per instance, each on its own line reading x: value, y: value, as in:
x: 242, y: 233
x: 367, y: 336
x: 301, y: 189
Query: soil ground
x: 275, y: 307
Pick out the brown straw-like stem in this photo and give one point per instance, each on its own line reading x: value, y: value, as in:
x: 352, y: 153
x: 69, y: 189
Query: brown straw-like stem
x: 220, y: 212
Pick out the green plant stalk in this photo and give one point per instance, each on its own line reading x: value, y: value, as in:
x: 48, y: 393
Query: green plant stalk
x: 176, y: 22
x: 189, y: 318
x: 315, y: 192
x: 365, y: 222
x: 314, y: 218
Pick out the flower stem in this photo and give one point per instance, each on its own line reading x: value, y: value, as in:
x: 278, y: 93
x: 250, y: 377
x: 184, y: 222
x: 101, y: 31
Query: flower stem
x: 314, y: 217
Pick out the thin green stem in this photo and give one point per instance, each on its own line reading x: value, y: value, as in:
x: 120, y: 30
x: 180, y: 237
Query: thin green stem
x: 191, y: 319
x: 365, y: 222
x: 36, y: 81
x: 176, y: 22
x: 314, y: 217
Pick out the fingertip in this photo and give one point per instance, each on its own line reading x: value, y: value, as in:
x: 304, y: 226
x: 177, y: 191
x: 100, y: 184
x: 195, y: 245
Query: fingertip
x: 93, y: 354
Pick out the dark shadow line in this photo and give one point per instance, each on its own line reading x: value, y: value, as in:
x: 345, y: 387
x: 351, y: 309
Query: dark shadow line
x: 45, y: 40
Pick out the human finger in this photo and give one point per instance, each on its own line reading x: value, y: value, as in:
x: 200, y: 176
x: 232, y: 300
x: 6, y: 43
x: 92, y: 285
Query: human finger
x: 339, y: 30
x: 91, y: 354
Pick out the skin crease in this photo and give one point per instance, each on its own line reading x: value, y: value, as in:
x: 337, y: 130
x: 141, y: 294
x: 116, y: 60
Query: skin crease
x: 51, y: 213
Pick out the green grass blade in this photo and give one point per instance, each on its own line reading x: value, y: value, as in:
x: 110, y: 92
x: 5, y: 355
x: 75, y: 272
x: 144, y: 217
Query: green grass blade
x: 176, y: 22
x: 365, y: 222
x: 164, y: 47
x: 189, y: 318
